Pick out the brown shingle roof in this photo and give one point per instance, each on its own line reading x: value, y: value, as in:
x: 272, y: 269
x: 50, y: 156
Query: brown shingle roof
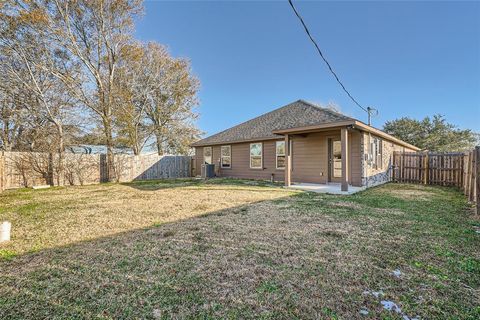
x: 296, y: 114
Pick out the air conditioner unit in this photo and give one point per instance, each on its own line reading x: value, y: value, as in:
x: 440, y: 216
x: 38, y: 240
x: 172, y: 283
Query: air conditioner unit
x: 208, y: 171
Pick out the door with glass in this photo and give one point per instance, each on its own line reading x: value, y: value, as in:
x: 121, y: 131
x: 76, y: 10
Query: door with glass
x: 335, y: 160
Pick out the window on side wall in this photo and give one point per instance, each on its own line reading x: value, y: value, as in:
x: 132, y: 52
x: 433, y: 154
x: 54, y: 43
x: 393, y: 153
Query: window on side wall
x: 207, y: 155
x: 280, y: 154
x: 376, y: 153
x: 256, y: 155
x: 380, y: 154
x: 226, y: 157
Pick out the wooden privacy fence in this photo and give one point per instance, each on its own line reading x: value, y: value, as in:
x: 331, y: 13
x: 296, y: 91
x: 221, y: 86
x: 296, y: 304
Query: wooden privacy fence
x: 461, y: 170
x: 444, y: 169
x: 26, y: 169
x: 2, y: 173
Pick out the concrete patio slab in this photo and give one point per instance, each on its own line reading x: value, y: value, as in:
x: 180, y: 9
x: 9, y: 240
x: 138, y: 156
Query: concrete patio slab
x: 331, y: 188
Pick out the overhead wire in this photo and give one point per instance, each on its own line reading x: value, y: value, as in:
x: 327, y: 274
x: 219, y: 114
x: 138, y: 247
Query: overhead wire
x: 367, y: 110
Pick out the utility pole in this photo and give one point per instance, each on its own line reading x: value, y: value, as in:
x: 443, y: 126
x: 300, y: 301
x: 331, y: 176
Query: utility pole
x: 371, y: 111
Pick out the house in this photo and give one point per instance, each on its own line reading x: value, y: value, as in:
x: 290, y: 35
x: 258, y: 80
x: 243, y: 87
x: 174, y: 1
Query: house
x: 302, y: 143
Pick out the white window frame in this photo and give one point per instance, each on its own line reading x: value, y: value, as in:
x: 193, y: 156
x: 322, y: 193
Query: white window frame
x: 261, y: 155
x: 380, y: 154
x: 280, y: 155
x: 211, y: 155
x: 376, y: 153
x: 229, y: 156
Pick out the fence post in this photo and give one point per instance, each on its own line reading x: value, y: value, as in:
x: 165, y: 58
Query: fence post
x: 2, y: 171
x: 477, y: 179
x: 473, y: 159
x: 425, y: 174
x: 103, y: 168
x: 51, y: 178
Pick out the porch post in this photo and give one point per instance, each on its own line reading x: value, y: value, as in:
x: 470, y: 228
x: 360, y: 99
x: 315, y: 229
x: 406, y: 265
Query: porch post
x: 345, y: 155
x: 288, y: 161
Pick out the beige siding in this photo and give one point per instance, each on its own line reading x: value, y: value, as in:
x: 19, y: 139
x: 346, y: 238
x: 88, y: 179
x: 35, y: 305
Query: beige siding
x: 372, y: 175
x: 241, y: 162
x: 309, y: 159
x: 355, y: 163
x: 198, y: 160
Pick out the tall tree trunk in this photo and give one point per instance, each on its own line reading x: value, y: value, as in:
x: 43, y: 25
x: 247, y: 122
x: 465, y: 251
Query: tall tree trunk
x: 136, y: 143
x: 61, y: 155
x: 159, y: 141
x: 7, y: 146
x: 136, y: 150
x: 107, y: 127
x: 50, y: 171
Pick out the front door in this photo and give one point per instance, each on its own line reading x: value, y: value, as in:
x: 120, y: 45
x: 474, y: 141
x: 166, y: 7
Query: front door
x: 334, y: 160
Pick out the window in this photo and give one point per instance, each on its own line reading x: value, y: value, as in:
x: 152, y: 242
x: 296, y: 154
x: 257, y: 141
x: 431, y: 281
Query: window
x: 226, y: 157
x: 280, y: 154
x: 207, y: 155
x: 336, y: 160
x: 256, y: 155
x: 376, y: 153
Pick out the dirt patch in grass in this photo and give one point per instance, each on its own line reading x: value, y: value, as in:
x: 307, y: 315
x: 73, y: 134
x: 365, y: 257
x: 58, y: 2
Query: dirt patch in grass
x: 414, y: 194
x: 298, y: 255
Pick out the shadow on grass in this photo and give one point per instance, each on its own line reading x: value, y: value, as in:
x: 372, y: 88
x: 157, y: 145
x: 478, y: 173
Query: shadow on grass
x: 133, y: 274
x: 249, y: 261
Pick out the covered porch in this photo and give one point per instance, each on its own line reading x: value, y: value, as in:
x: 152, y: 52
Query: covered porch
x: 323, y: 158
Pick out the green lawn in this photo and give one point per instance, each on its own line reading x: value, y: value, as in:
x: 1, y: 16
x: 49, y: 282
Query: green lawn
x: 238, y: 249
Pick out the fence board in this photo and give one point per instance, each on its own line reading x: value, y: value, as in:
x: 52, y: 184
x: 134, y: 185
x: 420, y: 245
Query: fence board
x: 2, y: 172
x: 459, y: 170
x: 477, y: 178
x: 26, y: 169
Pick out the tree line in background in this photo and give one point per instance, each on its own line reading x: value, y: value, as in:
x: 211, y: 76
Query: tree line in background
x: 71, y: 72
x: 433, y: 134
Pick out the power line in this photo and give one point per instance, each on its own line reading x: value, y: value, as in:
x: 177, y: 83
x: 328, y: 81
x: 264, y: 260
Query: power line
x: 367, y: 110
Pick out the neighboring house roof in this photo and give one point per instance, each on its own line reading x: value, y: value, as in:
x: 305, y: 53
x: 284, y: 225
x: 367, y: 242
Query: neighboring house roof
x: 95, y: 149
x: 296, y: 117
x: 297, y: 114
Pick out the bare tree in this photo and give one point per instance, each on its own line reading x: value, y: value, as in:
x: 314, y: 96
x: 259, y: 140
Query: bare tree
x: 90, y: 34
x: 12, y: 113
x: 171, y: 102
x: 64, y: 54
x: 155, y: 94
x: 134, y: 85
x: 94, y: 33
x: 36, y: 65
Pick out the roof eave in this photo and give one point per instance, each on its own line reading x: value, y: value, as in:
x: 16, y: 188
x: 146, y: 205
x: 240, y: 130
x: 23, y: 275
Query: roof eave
x: 365, y: 127
x: 315, y: 127
x: 204, y: 144
x: 355, y: 123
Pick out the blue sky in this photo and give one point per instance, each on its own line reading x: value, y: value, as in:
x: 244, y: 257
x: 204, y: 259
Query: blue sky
x: 404, y: 58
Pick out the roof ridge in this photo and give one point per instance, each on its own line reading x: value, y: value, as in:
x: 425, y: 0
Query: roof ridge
x: 263, y: 114
x: 314, y: 105
x: 296, y: 113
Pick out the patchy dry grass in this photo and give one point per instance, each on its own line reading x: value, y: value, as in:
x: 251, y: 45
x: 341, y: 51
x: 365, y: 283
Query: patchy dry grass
x: 261, y: 252
x: 55, y: 217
